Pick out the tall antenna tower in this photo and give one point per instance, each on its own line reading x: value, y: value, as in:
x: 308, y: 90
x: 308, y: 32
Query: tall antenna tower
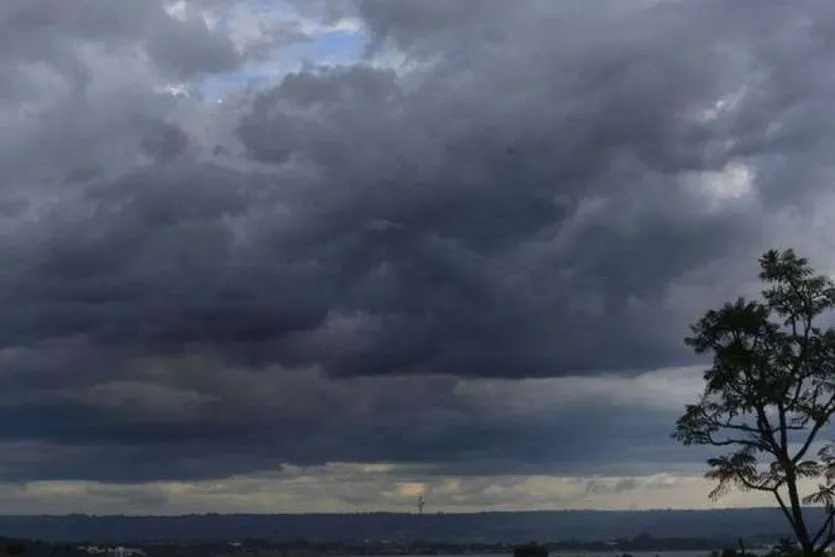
x: 420, y: 504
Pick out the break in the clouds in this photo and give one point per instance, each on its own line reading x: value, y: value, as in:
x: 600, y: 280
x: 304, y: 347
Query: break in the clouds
x: 458, y: 240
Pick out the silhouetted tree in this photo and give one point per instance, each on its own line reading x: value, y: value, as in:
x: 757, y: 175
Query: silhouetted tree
x: 530, y: 550
x: 769, y: 392
x: 785, y: 548
x: 13, y: 548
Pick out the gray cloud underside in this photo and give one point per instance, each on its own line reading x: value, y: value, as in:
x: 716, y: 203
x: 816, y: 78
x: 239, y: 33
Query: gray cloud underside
x: 184, y: 418
x: 530, y: 202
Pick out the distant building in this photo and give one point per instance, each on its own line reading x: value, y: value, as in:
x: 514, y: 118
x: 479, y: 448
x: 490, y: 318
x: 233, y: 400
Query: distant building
x: 118, y: 551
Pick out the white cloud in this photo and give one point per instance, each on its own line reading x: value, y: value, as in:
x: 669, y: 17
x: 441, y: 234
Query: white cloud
x: 724, y: 190
x: 667, y: 389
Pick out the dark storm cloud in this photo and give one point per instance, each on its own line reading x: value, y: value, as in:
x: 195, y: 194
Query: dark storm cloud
x: 435, y: 210
x: 188, y: 420
x: 44, y: 31
x: 518, y: 206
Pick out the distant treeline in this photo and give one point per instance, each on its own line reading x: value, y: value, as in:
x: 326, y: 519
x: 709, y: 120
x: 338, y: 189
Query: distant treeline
x: 333, y: 549
x: 303, y: 548
x: 687, y: 527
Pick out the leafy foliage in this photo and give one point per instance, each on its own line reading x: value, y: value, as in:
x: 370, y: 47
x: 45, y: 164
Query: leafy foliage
x: 770, y: 392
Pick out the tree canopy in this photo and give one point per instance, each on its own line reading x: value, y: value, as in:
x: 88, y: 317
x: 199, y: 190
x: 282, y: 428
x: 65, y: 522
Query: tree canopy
x: 770, y: 393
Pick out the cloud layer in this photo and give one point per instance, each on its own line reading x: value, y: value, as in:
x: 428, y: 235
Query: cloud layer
x: 474, y: 251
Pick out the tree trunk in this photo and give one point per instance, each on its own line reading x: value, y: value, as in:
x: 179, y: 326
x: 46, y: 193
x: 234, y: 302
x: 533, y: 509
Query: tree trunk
x: 801, y: 531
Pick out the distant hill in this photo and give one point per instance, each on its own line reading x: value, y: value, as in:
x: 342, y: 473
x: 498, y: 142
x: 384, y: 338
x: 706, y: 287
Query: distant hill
x: 761, y: 524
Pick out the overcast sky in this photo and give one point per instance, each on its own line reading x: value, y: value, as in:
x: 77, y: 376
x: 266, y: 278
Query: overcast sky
x: 337, y: 255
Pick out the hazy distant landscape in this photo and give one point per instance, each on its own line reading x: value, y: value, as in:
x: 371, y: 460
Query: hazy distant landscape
x: 757, y: 525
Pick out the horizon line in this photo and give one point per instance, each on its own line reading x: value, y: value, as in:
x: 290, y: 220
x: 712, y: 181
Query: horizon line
x: 403, y: 513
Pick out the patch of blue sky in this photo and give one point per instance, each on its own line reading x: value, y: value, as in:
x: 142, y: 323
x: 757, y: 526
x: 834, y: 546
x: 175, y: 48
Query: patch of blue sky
x: 253, y: 73
x: 337, y: 47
